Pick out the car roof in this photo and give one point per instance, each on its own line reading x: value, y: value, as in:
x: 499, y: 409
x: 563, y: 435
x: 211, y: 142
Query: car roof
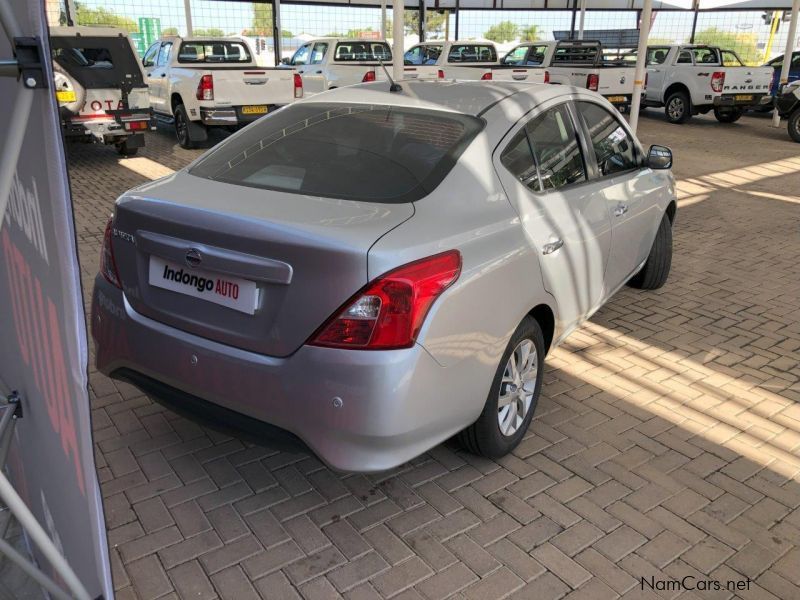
x: 86, y: 31
x: 465, y: 97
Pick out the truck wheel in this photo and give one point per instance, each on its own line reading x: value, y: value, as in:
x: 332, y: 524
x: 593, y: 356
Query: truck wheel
x: 794, y: 125
x: 730, y: 115
x: 655, y: 271
x: 124, y: 150
x: 512, y: 397
x: 187, y: 132
x: 678, y: 107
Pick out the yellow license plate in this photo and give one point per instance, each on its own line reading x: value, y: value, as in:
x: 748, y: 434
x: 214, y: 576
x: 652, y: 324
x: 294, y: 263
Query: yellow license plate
x: 743, y: 97
x: 254, y: 110
x: 614, y: 99
x: 66, y: 96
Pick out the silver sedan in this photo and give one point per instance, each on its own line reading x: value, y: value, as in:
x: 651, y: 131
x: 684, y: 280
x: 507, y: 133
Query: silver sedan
x: 375, y: 272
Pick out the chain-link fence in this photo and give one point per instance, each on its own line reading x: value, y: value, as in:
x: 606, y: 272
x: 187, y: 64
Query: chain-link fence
x: 756, y: 35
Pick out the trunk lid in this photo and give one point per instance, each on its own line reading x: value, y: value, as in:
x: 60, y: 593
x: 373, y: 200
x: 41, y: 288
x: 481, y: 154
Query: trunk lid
x: 746, y: 80
x: 243, y: 86
x: 306, y: 256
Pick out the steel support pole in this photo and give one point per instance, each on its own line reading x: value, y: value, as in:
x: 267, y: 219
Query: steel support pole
x: 787, y: 57
x: 582, y: 19
x: 70, y: 12
x: 383, y: 20
x: 187, y: 9
x: 398, y: 27
x: 32, y: 571
x: 694, y: 25
x: 276, y: 30
x: 641, y: 60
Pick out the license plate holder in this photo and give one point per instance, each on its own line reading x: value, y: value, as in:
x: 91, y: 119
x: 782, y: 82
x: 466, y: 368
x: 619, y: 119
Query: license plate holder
x: 255, y: 109
x: 743, y: 97
x: 231, y: 292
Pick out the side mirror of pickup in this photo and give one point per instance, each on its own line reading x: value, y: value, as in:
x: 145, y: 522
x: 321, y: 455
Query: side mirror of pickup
x: 286, y: 61
x: 659, y: 157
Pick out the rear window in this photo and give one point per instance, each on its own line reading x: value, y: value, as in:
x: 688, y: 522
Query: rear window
x: 360, y: 51
x: 466, y: 53
x: 98, y: 62
x: 373, y: 153
x: 576, y: 55
x: 213, y: 52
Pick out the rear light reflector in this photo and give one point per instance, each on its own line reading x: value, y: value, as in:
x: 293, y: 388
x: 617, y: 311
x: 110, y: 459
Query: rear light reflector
x: 298, y: 86
x: 486, y: 76
x: 368, y: 76
x: 547, y: 76
x: 137, y: 125
x: 717, y: 80
x: 108, y: 266
x: 389, y: 312
x: 440, y: 74
x: 593, y: 82
x: 205, y: 89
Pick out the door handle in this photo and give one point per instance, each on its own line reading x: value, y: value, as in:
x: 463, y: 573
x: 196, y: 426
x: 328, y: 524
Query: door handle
x: 620, y: 210
x: 318, y: 72
x: 163, y: 74
x: 551, y: 247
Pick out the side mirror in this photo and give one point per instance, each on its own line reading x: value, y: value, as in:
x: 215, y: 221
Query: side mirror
x: 286, y: 61
x: 659, y: 157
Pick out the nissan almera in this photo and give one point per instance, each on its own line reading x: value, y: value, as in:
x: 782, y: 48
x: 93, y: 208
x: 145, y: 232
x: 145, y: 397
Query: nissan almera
x: 375, y: 271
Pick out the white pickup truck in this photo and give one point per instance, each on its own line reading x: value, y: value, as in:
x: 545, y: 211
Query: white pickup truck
x: 581, y: 63
x: 467, y: 61
x: 329, y: 63
x: 211, y: 82
x: 689, y: 79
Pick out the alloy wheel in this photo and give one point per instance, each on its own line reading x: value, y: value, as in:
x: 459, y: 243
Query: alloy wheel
x: 676, y: 108
x: 517, y: 387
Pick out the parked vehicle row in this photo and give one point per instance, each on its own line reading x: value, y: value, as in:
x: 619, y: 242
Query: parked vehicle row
x: 307, y: 274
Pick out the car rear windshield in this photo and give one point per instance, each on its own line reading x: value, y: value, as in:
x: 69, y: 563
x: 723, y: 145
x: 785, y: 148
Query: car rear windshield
x: 213, y: 52
x: 361, y: 51
x: 467, y: 53
x: 372, y: 153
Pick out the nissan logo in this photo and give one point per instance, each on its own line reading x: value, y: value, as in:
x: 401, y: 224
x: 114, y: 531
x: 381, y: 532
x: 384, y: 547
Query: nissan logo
x: 193, y: 257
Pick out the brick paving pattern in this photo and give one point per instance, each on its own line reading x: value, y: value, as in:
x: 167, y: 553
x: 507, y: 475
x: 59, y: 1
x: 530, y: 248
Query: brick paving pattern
x: 665, y: 443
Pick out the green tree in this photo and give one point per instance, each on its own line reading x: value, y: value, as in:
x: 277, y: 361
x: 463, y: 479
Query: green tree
x: 262, y: 20
x: 208, y: 32
x: 530, y: 34
x: 504, y: 31
x: 434, y: 23
x: 101, y: 16
x: 744, y: 44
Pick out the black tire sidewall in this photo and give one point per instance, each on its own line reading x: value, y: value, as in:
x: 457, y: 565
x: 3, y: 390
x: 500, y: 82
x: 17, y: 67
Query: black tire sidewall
x: 183, y: 143
x: 492, y: 442
x: 794, y: 125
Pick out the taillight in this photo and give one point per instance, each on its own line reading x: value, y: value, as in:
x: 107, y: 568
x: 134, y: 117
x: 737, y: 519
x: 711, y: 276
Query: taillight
x: 441, y: 74
x: 389, y: 312
x: 368, y: 76
x: 205, y: 89
x: 108, y: 266
x: 486, y: 76
x: 547, y: 76
x: 298, y: 86
x: 717, y: 81
x: 593, y: 82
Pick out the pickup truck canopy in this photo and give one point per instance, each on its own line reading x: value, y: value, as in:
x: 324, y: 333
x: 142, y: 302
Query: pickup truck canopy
x: 98, y: 62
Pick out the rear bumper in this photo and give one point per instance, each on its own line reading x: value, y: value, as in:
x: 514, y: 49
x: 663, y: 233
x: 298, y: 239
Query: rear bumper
x: 230, y: 115
x: 740, y: 100
x: 358, y: 411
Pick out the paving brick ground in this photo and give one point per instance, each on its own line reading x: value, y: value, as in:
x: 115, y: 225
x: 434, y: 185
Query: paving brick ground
x: 665, y: 445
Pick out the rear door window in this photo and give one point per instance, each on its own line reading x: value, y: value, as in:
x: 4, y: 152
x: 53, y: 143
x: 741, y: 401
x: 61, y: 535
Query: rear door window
x: 163, y: 54
x: 413, y: 56
x: 656, y: 56
x: 362, y: 51
x: 471, y: 53
x: 516, y: 56
x: 373, y: 153
x: 705, y: 56
x: 684, y: 58
x: 556, y: 149
x: 214, y: 52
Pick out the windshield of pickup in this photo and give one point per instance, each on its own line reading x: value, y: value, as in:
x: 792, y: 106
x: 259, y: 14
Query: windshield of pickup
x: 373, y: 153
x: 471, y: 53
x: 215, y: 51
x: 362, y: 51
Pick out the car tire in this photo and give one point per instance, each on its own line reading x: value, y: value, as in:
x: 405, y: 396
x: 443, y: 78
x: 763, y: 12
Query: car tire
x: 124, y: 150
x: 655, y: 271
x: 188, y: 132
x: 794, y: 125
x: 485, y: 436
x: 678, y: 107
x: 728, y: 116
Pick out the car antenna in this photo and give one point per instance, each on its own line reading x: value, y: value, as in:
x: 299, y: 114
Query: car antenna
x: 394, y: 87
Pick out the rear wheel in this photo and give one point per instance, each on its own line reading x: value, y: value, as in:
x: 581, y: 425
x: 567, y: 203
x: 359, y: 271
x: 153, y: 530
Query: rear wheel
x: 794, y: 125
x: 655, y: 271
x: 728, y: 115
x: 187, y: 132
x: 512, y: 397
x: 678, y: 107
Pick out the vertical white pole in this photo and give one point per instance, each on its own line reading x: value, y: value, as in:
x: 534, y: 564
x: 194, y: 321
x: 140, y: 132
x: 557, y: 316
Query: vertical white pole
x: 582, y: 18
x: 276, y: 31
x: 187, y: 9
x: 787, y: 57
x: 383, y: 19
x: 398, y: 27
x: 641, y: 60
